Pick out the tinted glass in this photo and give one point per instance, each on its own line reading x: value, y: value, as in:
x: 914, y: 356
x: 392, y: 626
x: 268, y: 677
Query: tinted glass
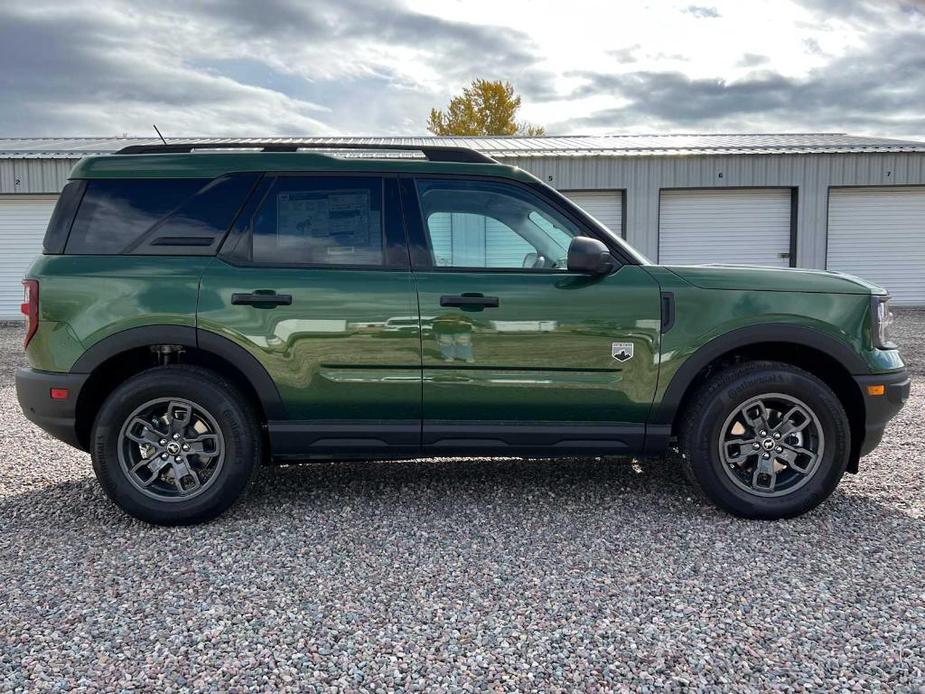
x: 484, y: 224
x: 60, y: 224
x: 199, y: 224
x: 317, y: 220
x: 114, y: 214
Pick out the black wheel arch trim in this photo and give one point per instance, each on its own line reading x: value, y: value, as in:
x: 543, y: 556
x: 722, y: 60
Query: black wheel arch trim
x: 799, y: 335
x: 187, y: 336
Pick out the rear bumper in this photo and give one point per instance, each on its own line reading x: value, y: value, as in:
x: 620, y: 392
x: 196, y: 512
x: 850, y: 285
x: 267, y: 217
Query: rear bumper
x: 880, y: 409
x: 57, y: 417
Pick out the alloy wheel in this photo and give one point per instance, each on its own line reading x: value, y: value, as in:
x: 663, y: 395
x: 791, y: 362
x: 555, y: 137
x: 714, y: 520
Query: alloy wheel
x: 171, y: 449
x: 771, y: 445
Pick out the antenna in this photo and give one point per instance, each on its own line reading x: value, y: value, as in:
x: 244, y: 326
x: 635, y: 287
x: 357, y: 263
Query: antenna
x: 158, y: 133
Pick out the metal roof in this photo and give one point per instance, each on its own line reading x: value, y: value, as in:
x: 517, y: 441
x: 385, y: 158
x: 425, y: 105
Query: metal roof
x: 499, y: 147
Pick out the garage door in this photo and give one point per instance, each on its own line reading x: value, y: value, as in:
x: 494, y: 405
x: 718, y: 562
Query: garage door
x: 606, y: 206
x: 23, y: 219
x: 879, y: 234
x: 750, y: 227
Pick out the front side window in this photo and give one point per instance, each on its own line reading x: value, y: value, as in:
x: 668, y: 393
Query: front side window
x: 319, y: 220
x: 486, y: 224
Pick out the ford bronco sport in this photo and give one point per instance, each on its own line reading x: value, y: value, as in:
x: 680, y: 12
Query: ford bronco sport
x: 200, y: 309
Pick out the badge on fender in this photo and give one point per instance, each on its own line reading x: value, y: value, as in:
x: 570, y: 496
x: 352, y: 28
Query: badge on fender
x: 622, y: 351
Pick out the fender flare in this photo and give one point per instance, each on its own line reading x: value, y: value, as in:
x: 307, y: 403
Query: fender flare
x: 188, y: 336
x: 799, y: 335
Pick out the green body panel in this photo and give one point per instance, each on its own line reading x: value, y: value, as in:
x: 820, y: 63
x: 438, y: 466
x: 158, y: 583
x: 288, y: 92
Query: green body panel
x: 702, y: 315
x: 544, y: 354
x: 774, y: 279
x: 348, y: 347
x: 84, y: 299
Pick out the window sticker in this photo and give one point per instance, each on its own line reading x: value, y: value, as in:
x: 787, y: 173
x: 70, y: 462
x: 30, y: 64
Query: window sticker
x: 340, y: 216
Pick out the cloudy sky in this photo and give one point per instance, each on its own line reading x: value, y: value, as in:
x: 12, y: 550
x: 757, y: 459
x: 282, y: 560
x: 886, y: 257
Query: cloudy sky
x: 376, y: 67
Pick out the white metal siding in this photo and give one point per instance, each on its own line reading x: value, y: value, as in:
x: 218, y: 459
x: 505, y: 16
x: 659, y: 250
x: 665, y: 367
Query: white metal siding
x: 879, y: 234
x: 813, y: 174
x: 23, y: 219
x: 744, y: 226
x: 606, y: 206
x: 468, y: 240
x: 640, y: 177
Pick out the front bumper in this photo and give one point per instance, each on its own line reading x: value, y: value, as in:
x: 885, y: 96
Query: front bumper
x: 880, y: 409
x: 57, y: 417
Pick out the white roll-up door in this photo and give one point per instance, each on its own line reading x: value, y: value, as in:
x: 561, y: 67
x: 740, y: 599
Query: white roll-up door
x: 23, y: 219
x: 606, y: 206
x: 879, y: 234
x: 743, y: 226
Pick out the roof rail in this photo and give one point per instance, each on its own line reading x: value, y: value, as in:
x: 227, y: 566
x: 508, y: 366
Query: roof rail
x: 433, y: 153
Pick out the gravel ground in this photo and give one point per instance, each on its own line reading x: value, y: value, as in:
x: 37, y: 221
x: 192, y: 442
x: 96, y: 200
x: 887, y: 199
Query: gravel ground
x: 472, y: 575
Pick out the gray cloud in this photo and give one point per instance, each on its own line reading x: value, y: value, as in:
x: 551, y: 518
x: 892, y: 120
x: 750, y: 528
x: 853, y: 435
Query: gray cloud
x: 106, y: 68
x: 99, y: 85
x: 752, y: 60
x: 702, y: 12
x: 851, y: 92
x: 812, y: 46
x: 854, y: 91
x: 341, y: 22
x: 289, y: 67
x: 863, y: 11
x: 627, y: 54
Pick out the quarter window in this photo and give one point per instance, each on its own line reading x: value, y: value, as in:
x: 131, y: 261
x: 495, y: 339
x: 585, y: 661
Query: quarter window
x: 156, y: 216
x: 317, y: 220
x: 484, y: 224
x: 114, y: 214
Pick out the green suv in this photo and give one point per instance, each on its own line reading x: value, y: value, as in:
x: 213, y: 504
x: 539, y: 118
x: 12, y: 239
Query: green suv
x: 201, y: 309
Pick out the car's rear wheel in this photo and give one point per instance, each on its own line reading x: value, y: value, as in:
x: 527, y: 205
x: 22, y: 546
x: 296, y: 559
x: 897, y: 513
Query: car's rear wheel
x: 175, y: 445
x: 765, y: 440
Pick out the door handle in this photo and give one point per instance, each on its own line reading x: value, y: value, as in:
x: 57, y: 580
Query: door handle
x: 474, y: 301
x: 262, y: 298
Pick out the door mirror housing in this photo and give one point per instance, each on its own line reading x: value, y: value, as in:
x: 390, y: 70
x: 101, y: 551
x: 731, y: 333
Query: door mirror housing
x: 589, y: 256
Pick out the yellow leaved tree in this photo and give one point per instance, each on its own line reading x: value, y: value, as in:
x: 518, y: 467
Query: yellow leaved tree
x: 483, y: 108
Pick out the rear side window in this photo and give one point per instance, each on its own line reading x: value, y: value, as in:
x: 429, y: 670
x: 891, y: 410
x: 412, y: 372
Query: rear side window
x: 157, y: 216
x: 318, y: 220
x: 61, y: 219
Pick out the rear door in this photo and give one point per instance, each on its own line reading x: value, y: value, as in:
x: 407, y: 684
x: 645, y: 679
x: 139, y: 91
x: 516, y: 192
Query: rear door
x: 519, y: 354
x: 314, y: 282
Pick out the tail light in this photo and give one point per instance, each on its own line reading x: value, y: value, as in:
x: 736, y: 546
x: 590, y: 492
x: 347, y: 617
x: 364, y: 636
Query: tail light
x: 30, y: 308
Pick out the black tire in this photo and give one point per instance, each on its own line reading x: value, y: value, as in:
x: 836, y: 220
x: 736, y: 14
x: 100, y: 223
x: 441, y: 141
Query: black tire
x: 237, y: 431
x: 706, y: 421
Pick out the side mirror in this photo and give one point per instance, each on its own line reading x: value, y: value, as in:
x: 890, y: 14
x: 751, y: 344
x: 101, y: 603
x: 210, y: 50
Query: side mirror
x: 589, y: 256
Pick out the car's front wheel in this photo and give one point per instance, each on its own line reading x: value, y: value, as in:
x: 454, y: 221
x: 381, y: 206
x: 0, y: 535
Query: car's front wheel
x: 175, y: 445
x: 765, y: 440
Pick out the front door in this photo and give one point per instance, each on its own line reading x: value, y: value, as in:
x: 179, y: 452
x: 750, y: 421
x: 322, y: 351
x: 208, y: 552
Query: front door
x: 519, y: 354
x: 314, y: 282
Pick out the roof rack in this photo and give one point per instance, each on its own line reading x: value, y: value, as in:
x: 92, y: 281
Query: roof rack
x: 432, y: 153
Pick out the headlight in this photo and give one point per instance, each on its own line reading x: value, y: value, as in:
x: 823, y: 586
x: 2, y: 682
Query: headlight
x: 882, y: 320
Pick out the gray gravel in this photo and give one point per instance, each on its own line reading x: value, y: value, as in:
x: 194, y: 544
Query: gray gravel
x: 472, y: 575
